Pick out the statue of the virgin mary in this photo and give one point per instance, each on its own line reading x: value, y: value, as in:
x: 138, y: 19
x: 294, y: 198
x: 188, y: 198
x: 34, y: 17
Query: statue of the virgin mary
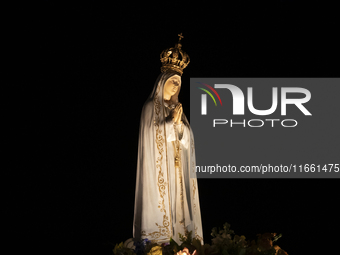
x: 166, y: 198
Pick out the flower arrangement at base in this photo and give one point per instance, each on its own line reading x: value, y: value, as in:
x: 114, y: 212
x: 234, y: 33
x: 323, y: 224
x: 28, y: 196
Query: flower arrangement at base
x: 224, y: 242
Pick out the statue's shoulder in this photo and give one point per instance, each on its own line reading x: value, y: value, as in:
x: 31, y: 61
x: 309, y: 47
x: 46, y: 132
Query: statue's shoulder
x: 148, y: 106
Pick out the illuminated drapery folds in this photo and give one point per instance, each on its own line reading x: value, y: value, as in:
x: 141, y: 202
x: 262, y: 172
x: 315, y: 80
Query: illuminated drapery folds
x: 166, y: 198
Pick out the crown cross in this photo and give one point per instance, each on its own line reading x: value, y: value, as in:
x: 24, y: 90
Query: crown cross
x: 180, y: 37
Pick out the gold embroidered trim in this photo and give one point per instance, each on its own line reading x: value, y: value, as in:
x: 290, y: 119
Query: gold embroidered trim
x: 192, y: 154
x: 178, y: 165
x: 163, y: 230
x: 167, y: 169
x: 193, y: 194
x: 197, y: 236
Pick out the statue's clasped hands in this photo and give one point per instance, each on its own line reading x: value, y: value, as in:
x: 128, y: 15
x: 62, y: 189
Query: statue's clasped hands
x: 176, y: 113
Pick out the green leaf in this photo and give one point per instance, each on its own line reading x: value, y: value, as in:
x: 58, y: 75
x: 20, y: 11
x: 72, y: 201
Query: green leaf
x: 174, y: 245
x: 225, y: 252
x: 277, y: 237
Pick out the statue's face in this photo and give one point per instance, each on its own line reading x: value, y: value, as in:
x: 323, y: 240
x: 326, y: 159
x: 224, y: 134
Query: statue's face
x: 172, y: 85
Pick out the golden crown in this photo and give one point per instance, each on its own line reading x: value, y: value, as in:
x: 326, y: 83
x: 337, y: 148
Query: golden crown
x: 174, y: 59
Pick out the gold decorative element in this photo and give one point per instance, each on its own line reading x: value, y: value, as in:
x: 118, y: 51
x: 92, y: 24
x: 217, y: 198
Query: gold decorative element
x: 163, y: 230
x: 156, y: 250
x: 166, y: 157
x: 170, y: 58
x: 197, y: 236
x: 192, y: 153
x: 178, y: 166
x: 194, y: 189
x: 193, y: 194
x: 177, y: 161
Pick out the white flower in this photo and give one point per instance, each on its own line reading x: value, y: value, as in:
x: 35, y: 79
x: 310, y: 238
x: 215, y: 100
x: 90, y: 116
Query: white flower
x: 129, y: 244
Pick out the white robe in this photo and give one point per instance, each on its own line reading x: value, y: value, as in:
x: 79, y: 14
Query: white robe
x: 166, y: 198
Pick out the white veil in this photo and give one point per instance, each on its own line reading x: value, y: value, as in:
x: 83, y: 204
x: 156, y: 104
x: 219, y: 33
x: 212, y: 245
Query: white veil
x: 152, y: 213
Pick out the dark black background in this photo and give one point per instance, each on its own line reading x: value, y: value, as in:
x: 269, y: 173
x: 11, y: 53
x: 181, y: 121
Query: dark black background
x: 85, y: 72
